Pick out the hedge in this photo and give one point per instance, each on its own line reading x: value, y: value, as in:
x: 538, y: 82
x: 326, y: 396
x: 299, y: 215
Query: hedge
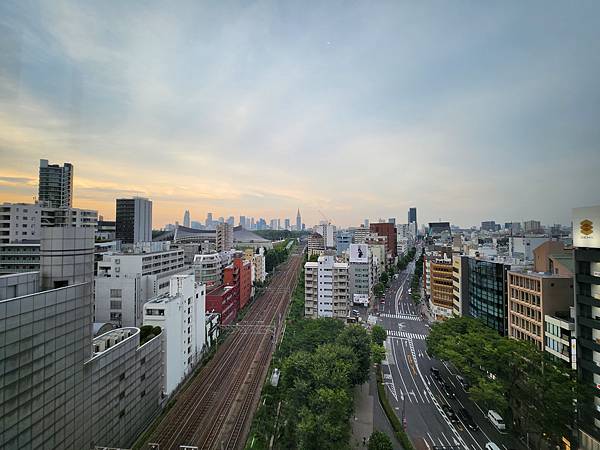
x: 391, y: 415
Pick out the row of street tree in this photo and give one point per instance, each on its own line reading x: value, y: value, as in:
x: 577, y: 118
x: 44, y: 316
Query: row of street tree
x: 533, y: 392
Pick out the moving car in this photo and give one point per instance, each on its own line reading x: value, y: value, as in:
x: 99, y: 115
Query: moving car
x: 491, y: 446
x: 447, y: 390
x: 496, y: 420
x: 435, y: 373
x: 463, y: 382
x: 467, y: 419
x: 450, y: 413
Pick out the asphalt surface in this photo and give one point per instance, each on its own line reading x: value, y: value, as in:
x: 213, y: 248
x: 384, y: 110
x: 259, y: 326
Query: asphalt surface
x: 413, y: 392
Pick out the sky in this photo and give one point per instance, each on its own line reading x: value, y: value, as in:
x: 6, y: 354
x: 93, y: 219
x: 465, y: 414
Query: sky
x: 345, y: 109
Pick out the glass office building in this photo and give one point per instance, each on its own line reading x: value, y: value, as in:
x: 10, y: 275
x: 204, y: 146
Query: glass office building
x: 487, y: 293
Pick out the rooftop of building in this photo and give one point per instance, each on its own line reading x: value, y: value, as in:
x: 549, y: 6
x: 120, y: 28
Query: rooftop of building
x: 112, y: 338
x: 242, y: 235
x: 219, y: 290
x: 530, y: 273
x: 566, y: 260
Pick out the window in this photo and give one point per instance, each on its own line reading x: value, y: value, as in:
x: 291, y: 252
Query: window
x: 116, y: 293
x: 115, y: 305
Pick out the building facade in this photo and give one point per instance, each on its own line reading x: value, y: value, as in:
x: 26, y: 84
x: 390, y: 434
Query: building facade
x: 62, y: 388
x: 224, y: 237
x: 389, y: 231
x: 125, y: 281
x: 440, y: 286
x: 532, y: 296
x: 360, y: 274
x: 586, y: 244
x: 326, y: 288
x: 55, y: 187
x: 487, y: 290
x: 133, y: 220
x: 180, y: 314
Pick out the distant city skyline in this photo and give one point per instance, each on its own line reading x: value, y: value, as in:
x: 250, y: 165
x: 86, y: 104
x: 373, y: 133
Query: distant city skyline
x: 464, y: 110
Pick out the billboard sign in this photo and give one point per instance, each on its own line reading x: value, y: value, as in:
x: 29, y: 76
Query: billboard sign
x: 361, y: 299
x: 359, y: 253
x: 586, y: 227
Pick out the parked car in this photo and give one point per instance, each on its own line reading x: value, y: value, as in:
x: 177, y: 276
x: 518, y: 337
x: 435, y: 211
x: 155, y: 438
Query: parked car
x: 496, y: 420
x: 355, y: 312
x: 435, y: 373
x: 447, y: 390
x: 450, y: 413
x: 467, y: 419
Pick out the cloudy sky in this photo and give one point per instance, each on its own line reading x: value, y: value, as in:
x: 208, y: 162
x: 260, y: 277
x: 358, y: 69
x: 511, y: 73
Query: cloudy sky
x: 467, y: 110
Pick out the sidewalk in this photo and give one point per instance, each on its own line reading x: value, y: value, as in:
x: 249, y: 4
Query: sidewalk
x: 362, y: 421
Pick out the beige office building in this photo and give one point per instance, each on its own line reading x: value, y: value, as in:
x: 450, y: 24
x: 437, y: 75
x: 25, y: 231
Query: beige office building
x: 532, y: 296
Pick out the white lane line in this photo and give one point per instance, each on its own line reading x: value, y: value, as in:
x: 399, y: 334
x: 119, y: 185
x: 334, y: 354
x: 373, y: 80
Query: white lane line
x: 410, y: 371
x: 431, y: 439
x: 400, y: 373
x: 447, y: 440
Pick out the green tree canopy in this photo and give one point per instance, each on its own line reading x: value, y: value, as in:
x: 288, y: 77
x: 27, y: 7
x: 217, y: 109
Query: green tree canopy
x: 380, y: 441
x: 513, y: 377
x: 378, y: 334
x: 356, y: 338
x: 384, y: 278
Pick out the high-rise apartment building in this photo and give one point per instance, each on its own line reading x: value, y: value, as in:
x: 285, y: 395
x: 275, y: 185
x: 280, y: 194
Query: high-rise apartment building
x: 326, y: 230
x: 326, y: 288
x: 224, y: 238
x: 55, y: 184
x: 134, y: 220
x: 316, y: 244
x: 343, y: 239
x: 586, y: 244
x: 186, y: 219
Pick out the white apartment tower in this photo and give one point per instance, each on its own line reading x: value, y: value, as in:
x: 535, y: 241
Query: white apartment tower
x: 180, y: 314
x: 326, y: 288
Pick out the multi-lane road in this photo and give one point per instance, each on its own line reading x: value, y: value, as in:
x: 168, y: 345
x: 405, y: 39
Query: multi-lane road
x: 418, y: 398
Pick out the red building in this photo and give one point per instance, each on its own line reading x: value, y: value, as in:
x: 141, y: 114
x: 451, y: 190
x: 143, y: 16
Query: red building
x: 223, y: 300
x: 389, y: 231
x: 239, y: 273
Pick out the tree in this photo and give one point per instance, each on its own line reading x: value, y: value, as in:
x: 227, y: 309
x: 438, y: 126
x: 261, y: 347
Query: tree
x: 356, y: 337
x: 380, y: 441
x: 384, y: 278
x: 378, y: 334
x: 377, y: 353
x: 510, y: 376
x: 379, y: 290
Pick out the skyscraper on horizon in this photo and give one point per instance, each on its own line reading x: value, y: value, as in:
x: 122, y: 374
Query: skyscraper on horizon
x: 186, y: 218
x: 298, y: 221
x: 55, y: 185
x: 412, y: 217
x: 209, y: 220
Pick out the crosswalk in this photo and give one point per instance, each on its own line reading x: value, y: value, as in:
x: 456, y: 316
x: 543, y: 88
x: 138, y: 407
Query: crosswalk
x: 401, y: 316
x: 406, y: 335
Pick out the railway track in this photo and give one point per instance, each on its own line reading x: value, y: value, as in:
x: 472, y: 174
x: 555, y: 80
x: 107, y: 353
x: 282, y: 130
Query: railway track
x: 215, y: 409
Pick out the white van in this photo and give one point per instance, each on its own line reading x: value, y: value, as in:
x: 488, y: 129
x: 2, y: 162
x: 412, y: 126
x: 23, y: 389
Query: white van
x: 496, y: 419
x: 491, y: 446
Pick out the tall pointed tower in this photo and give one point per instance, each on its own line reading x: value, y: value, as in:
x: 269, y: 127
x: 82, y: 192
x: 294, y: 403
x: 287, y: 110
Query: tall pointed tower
x: 298, y: 221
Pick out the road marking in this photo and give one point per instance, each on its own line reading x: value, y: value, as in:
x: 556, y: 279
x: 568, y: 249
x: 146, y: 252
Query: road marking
x: 432, y: 441
x: 410, y: 372
x: 400, y: 373
x: 402, y: 316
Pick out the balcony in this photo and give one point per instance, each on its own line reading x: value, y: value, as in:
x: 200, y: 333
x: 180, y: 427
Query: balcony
x: 588, y: 343
x: 581, y: 278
